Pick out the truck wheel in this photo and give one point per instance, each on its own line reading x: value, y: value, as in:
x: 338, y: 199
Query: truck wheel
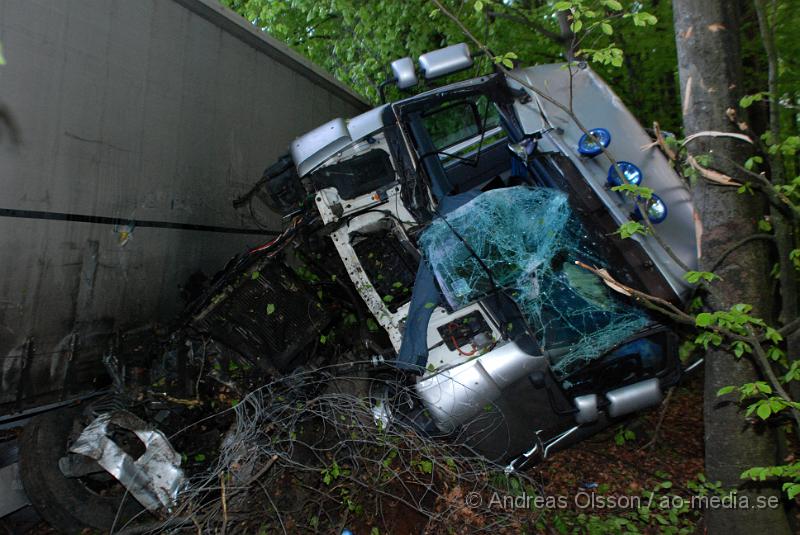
x: 69, y: 505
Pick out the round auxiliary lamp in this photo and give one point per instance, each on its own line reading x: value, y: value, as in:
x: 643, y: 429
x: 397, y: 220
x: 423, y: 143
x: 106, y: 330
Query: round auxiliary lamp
x: 593, y: 145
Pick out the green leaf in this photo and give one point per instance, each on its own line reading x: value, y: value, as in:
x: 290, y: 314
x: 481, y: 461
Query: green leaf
x: 725, y: 390
x: 255, y: 275
x: 792, y: 489
x: 630, y: 228
x: 773, y: 335
x: 270, y: 309
x: 632, y: 190
x: 606, y: 27
x: 747, y: 100
x: 763, y: 387
x: 794, y: 256
x: 562, y: 6
x: 2, y: 57
x: 704, y: 319
x: 694, y: 277
x: 740, y: 348
x: 751, y: 162
x: 478, y: 6
x: 613, y: 5
x: 426, y: 467
x: 764, y: 410
x: 576, y: 26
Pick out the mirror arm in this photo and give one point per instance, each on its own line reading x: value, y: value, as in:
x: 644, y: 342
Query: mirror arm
x: 382, y: 88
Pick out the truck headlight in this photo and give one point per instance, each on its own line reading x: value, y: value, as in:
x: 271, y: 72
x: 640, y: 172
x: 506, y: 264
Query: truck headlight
x: 656, y: 209
x: 592, y: 147
x: 633, y: 175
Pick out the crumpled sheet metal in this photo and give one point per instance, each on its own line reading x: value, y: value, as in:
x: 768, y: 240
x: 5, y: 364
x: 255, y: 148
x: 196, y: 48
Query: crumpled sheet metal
x: 154, y: 479
x: 529, y: 240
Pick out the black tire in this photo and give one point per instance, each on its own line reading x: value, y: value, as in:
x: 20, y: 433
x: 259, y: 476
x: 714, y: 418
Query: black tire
x: 65, y: 503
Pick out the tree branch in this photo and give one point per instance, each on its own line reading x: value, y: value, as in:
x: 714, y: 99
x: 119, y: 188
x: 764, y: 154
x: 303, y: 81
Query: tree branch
x: 525, y: 21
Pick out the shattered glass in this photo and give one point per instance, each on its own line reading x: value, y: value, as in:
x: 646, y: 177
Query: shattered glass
x: 528, y: 240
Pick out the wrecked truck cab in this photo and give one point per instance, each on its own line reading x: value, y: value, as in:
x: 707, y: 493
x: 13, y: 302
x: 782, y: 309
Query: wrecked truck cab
x: 494, y: 200
x: 471, y: 221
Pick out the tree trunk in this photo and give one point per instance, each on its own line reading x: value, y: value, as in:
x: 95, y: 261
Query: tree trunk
x: 706, y: 33
x: 567, y: 36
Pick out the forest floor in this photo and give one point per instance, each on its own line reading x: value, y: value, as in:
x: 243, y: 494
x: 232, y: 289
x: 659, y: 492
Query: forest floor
x: 610, y: 483
x: 610, y: 476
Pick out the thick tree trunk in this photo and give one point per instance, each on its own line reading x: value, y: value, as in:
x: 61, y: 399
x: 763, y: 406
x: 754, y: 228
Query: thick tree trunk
x: 709, y: 67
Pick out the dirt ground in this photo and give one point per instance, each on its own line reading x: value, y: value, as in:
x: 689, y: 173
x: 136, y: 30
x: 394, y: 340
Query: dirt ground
x: 624, y: 468
x: 603, y: 466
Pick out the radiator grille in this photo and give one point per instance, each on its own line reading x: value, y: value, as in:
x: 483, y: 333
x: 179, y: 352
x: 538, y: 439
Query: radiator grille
x: 266, y: 313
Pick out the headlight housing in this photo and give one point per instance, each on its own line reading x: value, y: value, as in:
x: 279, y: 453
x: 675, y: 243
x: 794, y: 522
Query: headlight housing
x: 633, y: 175
x: 592, y: 147
x: 656, y: 209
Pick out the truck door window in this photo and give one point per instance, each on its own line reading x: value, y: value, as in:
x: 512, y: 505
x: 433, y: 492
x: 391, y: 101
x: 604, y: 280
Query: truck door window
x: 457, y: 122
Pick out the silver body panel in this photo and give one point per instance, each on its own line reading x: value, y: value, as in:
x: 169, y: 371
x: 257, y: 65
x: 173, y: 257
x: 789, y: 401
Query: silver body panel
x: 635, y: 397
x: 313, y: 148
x: 444, y: 61
x: 587, y: 409
x: 365, y: 124
x: 154, y: 479
x: 597, y: 106
x: 456, y: 395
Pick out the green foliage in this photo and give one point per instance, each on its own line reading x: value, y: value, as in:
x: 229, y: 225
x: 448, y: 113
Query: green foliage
x: 506, y: 60
x: 693, y: 277
x: 661, y: 510
x: 794, y: 256
x: 751, y: 162
x: 423, y: 465
x: 747, y: 100
x: 356, y: 41
x: 782, y: 472
x: 632, y: 190
x: 737, y: 319
x: 631, y: 228
x: 623, y: 435
x: 333, y: 472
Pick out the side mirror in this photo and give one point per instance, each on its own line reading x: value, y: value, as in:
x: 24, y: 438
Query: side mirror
x: 585, y: 409
x: 445, y: 61
x: 524, y: 149
x: 404, y: 73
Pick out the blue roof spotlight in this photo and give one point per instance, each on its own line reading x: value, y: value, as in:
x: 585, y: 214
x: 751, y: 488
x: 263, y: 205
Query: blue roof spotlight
x: 633, y: 175
x: 656, y: 209
x: 592, y: 147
